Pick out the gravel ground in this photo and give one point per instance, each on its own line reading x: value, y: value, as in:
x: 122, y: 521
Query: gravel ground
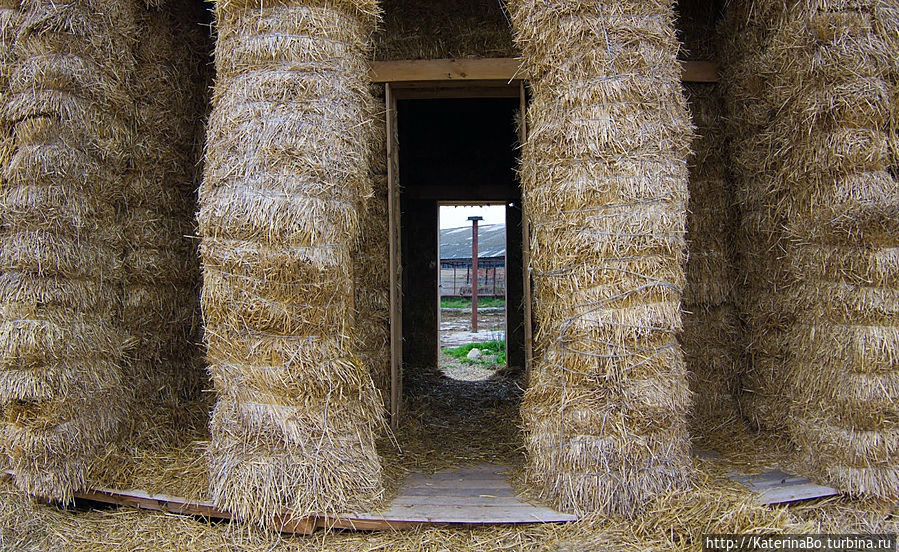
x: 454, y: 332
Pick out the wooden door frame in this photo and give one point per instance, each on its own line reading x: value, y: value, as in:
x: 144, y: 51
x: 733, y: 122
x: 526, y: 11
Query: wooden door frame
x: 436, y: 89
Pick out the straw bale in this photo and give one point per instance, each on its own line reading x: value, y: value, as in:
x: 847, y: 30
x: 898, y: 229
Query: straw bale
x: 72, y: 75
x: 78, y: 326
x: 53, y: 153
x: 449, y: 29
x: 285, y: 184
x: 35, y: 334
x: 861, y: 463
x: 48, y: 446
x: 167, y: 312
x: 711, y: 340
x: 831, y: 211
x: 260, y: 450
x: 610, y: 473
x: 22, y: 287
x: 24, y: 380
x: 594, y: 182
x: 47, y: 253
x: 106, y: 134
x: 371, y: 276
x: 709, y: 273
x: 604, y: 176
x: 648, y: 397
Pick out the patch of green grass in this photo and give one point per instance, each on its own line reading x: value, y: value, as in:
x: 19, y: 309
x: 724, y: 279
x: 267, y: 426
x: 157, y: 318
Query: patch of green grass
x: 488, y: 348
x: 465, y: 303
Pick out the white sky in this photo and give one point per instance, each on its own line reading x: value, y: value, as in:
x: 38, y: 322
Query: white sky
x: 452, y: 216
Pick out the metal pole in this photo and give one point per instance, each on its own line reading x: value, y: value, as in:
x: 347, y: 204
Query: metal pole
x: 474, y: 272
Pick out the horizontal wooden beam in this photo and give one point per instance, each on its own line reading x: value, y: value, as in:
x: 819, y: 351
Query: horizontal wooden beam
x: 503, y: 70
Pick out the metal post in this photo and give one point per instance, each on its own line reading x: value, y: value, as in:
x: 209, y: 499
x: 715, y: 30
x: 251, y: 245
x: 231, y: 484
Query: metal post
x: 474, y: 272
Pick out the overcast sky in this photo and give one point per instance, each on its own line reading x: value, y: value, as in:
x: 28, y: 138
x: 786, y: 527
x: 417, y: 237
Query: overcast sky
x: 454, y: 217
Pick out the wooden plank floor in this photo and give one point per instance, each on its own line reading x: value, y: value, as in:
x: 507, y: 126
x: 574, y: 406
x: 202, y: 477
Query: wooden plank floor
x: 469, y: 495
x: 477, y: 494
x: 473, y: 495
x: 777, y: 487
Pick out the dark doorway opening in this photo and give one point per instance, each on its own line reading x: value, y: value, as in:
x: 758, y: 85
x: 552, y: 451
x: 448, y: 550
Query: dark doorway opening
x: 454, y: 151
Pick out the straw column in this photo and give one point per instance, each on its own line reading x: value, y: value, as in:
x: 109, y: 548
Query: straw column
x: 62, y: 341
x: 371, y: 267
x: 604, y: 171
x: 711, y: 328
x: 760, y: 243
x: 287, y: 154
x: 835, y: 81
x: 162, y: 278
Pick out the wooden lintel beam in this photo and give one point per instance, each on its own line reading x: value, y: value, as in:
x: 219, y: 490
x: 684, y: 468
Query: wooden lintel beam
x: 491, y: 69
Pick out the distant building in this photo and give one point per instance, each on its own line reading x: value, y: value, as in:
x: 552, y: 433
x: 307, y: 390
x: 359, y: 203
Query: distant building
x: 455, y: 261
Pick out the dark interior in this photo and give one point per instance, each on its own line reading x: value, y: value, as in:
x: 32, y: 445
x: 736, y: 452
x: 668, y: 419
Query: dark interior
x: 454, y: 150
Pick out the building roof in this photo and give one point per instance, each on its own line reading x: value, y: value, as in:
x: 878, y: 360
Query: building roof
x: 455, y: 243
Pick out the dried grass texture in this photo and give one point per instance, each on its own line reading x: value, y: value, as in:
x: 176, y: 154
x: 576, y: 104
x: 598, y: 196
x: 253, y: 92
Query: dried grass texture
x: 449, y: 29
x: 68, y: 105
x: 674, y: 522
x: 831, y: 200
x: 161, y: 302
x: 759, y: 241
x: 371, y: 263
x: 99, y: 285
x: 712, y: 333
x: 286, y: 181
x: 605, y: 176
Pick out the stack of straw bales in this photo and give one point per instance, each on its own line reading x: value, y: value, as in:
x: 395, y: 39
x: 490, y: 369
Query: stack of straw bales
x: 445, y: 29
x: 604, y: 171
x: 711, y: 328
x: 825, y: 81
x: 371, y: 263
x: 162, y: 277
x: 62, y: 342
x: 286, y: 176
x: 759, y: 239
x: 99, y: 285
x: 835, y: 82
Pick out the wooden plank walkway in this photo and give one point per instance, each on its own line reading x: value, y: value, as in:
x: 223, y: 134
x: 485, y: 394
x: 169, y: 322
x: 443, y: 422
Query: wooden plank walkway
x: 472, y: 495
x: 777, y: 487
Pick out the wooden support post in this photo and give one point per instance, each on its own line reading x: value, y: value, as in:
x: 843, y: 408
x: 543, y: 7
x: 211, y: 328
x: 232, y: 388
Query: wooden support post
x: 526, y: 248
x: 474, y: 272
x: 396, y: 307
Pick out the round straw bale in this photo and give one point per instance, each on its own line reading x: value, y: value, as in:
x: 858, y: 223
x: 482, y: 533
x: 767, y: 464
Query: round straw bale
x: 78, y: 294
x: 611, y: 473
x: 49, y: 446
x: 57, y: 379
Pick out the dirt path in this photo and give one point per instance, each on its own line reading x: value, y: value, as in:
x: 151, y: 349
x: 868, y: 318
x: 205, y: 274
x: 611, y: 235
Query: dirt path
x: 455, y: 326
